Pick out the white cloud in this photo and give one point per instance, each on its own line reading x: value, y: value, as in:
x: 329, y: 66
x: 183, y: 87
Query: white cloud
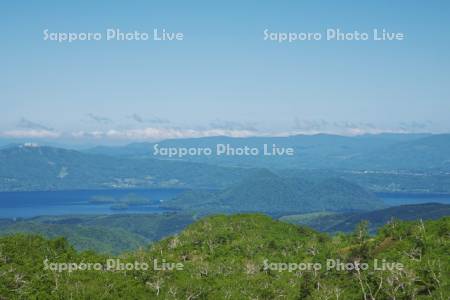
x: 150, y: 120
x: 232, y: 125
x: 31, y: 133
x: 99, y: 119
x: 349, y: 128
x: 27, y: 124
x: 216, y: 128
x: 153, y: 133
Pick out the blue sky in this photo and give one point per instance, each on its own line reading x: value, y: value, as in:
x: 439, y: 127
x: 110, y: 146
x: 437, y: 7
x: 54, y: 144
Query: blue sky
x: 223, y: 78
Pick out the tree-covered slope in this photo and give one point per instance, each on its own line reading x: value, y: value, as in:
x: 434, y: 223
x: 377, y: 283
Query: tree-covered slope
x: 242, y: 257
x: 103, y: 233
x: 345, y: 222
x: 377, y: 218
x: 342, y: 195
x: 263, y: 191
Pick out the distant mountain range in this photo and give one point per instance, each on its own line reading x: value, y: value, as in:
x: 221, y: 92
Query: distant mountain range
x: 264, y: 191
x: 32, y: 167
x: 374, y: 152
x: 380, y: 163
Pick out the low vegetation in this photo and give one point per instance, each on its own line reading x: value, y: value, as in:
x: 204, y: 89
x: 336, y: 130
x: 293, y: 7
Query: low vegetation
x: 242, y: 257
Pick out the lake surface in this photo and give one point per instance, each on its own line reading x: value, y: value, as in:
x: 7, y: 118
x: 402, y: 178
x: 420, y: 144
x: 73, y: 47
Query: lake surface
x: 31, y: 204
x: 394, y: 199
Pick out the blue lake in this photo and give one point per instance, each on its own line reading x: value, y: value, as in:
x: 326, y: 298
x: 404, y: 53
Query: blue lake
x: 394, y: 199
x: 31, y: 204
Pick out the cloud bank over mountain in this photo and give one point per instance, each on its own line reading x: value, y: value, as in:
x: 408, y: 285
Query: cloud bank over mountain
x: 137, y: 127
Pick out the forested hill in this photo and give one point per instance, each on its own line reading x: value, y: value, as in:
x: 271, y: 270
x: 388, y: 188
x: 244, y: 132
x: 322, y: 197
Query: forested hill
x: 263, y: 191
x: 345, y: 222
x: 242, y: 257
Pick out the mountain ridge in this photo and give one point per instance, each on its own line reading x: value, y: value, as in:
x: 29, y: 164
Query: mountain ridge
x: 50, y: 168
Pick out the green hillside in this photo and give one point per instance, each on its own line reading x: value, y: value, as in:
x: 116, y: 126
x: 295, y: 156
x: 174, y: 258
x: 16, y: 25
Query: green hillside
x: 345, y: 222
x: 103, y: 233
x: 242, y: 257
x: 264, y: 191
x: 378, y: 218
